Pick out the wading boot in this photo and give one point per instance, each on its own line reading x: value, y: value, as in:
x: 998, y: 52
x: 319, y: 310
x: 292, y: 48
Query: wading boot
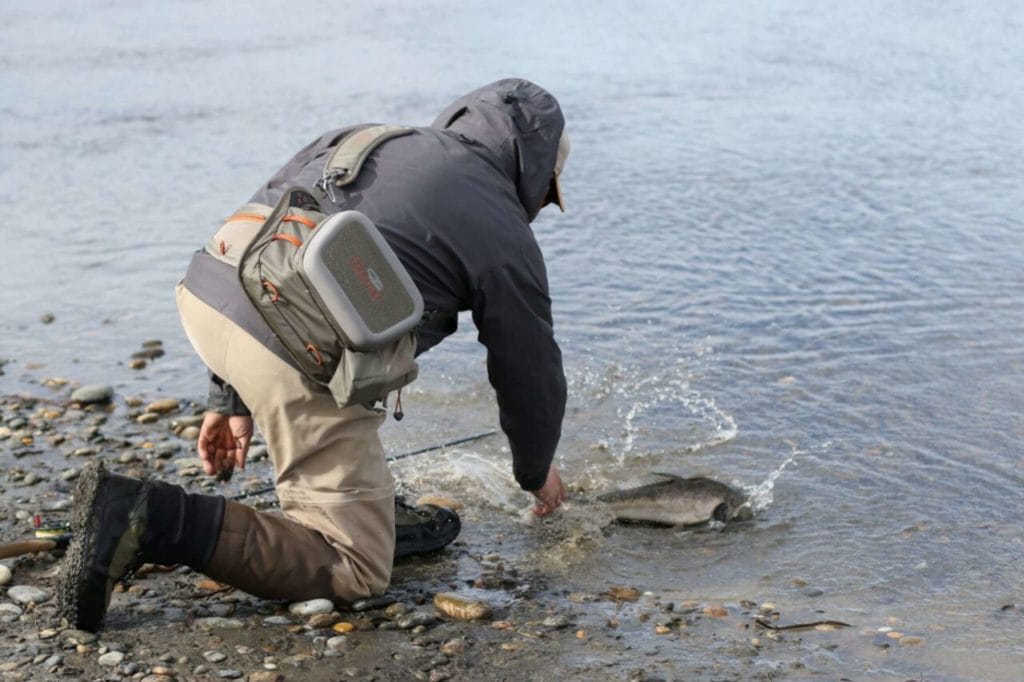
x: 117, y: 524
x: 423, y: 529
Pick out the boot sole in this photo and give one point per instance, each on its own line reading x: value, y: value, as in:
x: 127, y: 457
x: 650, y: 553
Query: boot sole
x: 73, y: 590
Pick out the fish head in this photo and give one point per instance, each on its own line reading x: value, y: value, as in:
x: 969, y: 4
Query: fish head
x: 735, y: 507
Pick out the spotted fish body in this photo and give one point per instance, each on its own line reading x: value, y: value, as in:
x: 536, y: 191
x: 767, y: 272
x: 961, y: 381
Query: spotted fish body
x: 673, y: 500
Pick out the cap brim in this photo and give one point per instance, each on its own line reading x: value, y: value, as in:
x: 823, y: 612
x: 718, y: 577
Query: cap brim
x: 554, y: 195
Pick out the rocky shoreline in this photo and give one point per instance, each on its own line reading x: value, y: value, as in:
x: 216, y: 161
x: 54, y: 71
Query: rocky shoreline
x: 476, y: 611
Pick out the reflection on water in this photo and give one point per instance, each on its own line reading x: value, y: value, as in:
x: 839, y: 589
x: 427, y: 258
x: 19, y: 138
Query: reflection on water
x: 793, y: 236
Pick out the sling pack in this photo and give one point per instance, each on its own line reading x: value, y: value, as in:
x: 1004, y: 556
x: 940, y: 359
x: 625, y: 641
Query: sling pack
x: 329, y: 286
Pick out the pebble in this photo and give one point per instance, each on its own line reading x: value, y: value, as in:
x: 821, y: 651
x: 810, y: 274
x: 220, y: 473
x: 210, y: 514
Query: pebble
x: 9, y: 612
x: 319, y: 621
x: 715, y: 611
x: 147, y: 418
x: 556, y: 622
x: 338, y: 642
x: 111, y: 659
x: 53, y: 661
x: 163, y: 406
x: 453, y: 647
x: 311, y: 607
x: 277, y: 620
x: 265, y: 676
x: 460, y: 607
x: 48, y: 633
x: 229, y: 674
x: 395, y: 610
x: 190, y: 433
x: 624, y: 593
x: 70, y: 474
x: 911, y: 641
x: 93, y: 394
x: 214, y: 656
x: 415, y: 619
x: 215, y: 622
x: 5, y: 575
x: 137, y: 363
x: 26, y: 594
x: 47, y: 318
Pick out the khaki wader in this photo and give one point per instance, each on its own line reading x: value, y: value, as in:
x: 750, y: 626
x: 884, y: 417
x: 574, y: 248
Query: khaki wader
x: 337, y: 536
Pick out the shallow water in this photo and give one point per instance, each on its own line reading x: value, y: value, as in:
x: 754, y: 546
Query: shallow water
x: 793, y: 236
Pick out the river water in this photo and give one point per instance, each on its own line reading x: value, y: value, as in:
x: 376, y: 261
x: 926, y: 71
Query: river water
x: 793, y: 259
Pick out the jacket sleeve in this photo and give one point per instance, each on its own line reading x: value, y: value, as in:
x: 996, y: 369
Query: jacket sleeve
x: 224, y: 399
x: 512, y: 312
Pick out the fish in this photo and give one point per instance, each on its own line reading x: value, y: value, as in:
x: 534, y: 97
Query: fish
x: 672, y: 500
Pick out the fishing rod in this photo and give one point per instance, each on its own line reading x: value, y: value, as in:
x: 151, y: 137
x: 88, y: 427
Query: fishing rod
x: 413, y: 453
x: 58, y: 535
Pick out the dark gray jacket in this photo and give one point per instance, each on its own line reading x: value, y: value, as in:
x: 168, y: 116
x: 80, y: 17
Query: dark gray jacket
x: 454, y: 201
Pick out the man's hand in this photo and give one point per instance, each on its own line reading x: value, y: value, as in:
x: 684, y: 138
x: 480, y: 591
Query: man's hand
x: 224, y: 442
x: 551, y: 495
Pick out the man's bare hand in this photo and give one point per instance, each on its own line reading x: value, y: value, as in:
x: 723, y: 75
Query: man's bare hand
x: 224, y: 442
x: 551, y: 495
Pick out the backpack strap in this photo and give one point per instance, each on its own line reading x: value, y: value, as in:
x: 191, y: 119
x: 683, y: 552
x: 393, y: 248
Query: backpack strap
x: 345, y: 162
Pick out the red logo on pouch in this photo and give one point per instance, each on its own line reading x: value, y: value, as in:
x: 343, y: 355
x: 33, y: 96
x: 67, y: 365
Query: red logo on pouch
x: 369, y: 279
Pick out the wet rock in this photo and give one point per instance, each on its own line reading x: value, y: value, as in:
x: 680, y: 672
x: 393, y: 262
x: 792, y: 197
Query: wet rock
x: 47, y: 318
x: 319, y: 621
x: 217, y: 622
x: 5, y: 575
x: 265, y: 676
x: 189, y: 433
x: 111, y: 659
x: 148, y: 354
x: 453, y: 647
x: 163, y: 406
x: 229, y: 674
x: 460, y: 607
x: 9, y: 612
x: 416, y: 619
x: 26, y: 594
x: 624, y: 593
x: 214, y: 656
x: 311, y: 607
x: 395, y: 610
x: 277, y: 620
x: 911, y: 641
x: 94, y: 394
x: 556, y: 622
x: 137, y: 363
x: 715, y: 611
x: 339, y: 643
x: 70, y: 474
x: 147, y: 418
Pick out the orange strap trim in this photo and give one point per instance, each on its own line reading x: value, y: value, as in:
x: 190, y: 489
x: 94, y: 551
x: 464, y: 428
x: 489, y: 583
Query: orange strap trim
x: 290, y: 238
x: 246, y: 216
x: 316, y: 354
x: 275, y: 295
x: 293, y: 218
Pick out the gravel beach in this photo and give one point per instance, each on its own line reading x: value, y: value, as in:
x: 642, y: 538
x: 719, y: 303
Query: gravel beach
x: 476, y: 611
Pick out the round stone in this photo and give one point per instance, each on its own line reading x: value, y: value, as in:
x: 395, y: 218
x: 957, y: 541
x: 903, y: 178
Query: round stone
x: 93, y: 394
x: 26, y: 594
x: 111, y: 659
x: 5, y: 575
x: 311, y: 607
x: 163, y: 406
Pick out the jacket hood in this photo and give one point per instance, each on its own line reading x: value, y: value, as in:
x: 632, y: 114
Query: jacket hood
x: 521, y: 123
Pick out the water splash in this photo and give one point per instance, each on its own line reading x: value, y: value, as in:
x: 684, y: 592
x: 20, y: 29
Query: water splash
x: 761, y: 496
x: 664, y: 398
